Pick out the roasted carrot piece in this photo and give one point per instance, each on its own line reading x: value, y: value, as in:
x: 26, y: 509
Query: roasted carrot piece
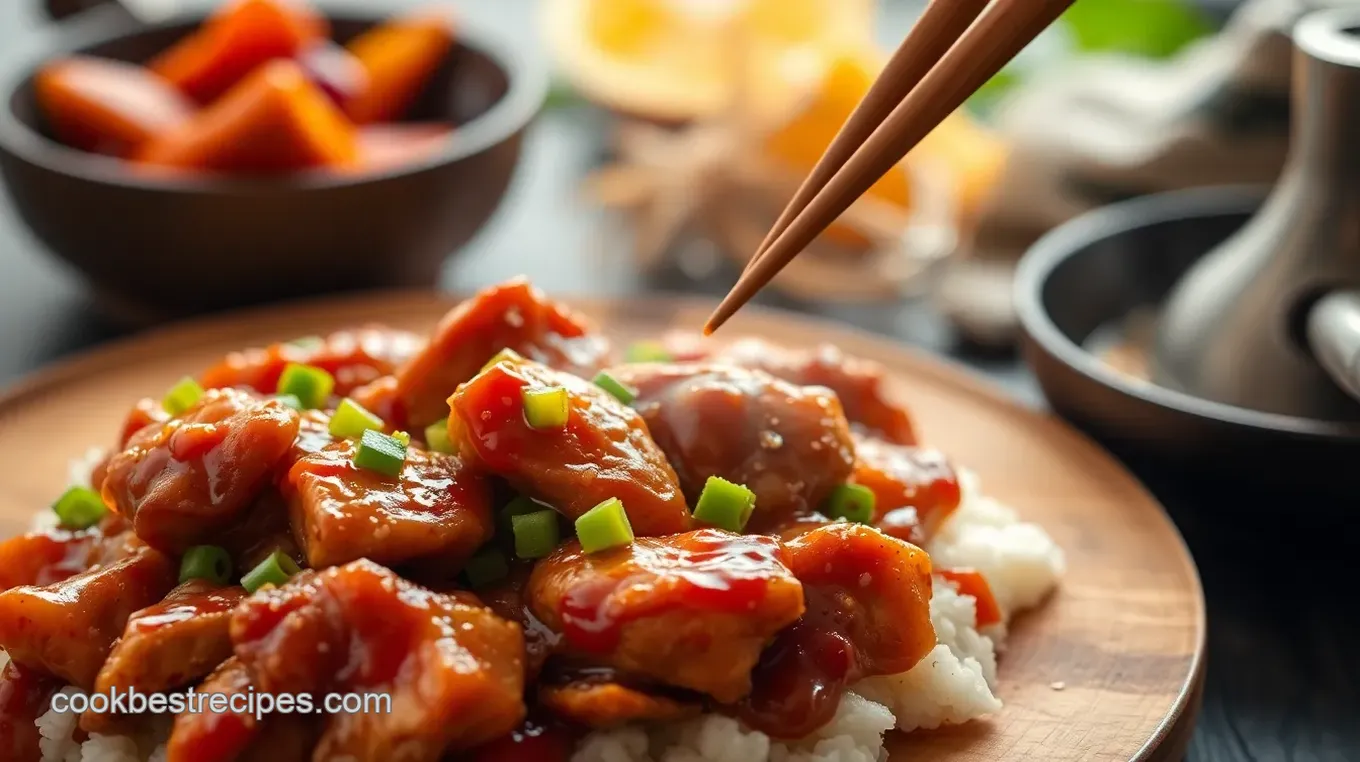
x: 971, y: 582
x: 108, y: 106
x: 234, y: 41
x: 400, y: 56
x: 275, y: 120
x: 390, y: 145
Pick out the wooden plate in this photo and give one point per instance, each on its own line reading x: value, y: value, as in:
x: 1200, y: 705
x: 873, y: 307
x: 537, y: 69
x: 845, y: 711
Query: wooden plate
x: 1109, y: 668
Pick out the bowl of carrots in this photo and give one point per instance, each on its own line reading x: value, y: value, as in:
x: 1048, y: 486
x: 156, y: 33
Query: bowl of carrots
x: 262, y: 151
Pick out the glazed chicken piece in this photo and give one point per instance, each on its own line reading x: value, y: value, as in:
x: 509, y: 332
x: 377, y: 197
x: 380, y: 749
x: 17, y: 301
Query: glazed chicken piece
x: 145, y: 413
x: 183, y: 483
x: 599, y: 703
x: 691, y: 610
x: 353, y: 358
x: 858, y: 383
x: 51, y: 555
x: 437, y: 512
x: 454, y: 669
x: 207, y: 736
x: 25, y: 694
x: 789, y: 444
x: 868, y: 613
x: 68, y: 628
x: 604, y: 450
x: 513, y: 315
x: 915, y: 489
x: 171, y: 644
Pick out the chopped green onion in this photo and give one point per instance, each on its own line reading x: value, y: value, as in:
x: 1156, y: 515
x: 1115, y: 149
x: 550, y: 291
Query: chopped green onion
x: 437, y: 437
x: 523, y: 504
x: 310, y: 384
x: 206, y: 562
x: 852, y: 502
x: 79, y: 508
x: 486, y: 567
x: 402, y: 437
x: 351, y: 420
x: 725, y: 505
x: 621, y: 391
x: 290, y: 400
x: 603, y: 527
x: 647, y: 351
x: 536, y: 533
x: 380, y: 452
x: 182, y: 396
x: 274, y: 570
x: 546, y: 408
x: 502, y: 356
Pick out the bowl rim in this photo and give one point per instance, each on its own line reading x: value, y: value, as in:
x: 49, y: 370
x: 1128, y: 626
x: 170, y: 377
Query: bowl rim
x: 527, y: 88
x: 1079, y: 234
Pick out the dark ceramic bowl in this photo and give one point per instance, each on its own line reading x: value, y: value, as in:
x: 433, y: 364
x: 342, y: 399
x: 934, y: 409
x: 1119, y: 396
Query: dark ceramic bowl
x: 1089, y: 275
x: 155, y: 247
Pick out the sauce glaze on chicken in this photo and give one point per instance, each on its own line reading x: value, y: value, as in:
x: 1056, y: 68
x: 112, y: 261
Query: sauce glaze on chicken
x: 434, y: 546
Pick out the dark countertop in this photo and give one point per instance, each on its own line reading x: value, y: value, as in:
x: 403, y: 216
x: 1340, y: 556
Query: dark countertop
x: 1283, y: 683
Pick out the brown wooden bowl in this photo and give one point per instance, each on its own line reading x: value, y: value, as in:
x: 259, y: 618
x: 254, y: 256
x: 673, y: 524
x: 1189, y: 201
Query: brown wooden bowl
x: 1109, y: 668
x: 154, y: 247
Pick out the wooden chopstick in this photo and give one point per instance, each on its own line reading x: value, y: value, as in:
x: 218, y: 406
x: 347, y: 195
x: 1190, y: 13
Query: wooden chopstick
x: 939, y: 26
x: 989, y: 43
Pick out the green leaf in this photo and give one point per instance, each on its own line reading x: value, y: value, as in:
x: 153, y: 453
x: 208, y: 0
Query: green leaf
x: 1150, y: 28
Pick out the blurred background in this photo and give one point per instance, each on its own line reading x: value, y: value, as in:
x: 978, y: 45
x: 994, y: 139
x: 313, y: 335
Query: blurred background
x: 673, y: 130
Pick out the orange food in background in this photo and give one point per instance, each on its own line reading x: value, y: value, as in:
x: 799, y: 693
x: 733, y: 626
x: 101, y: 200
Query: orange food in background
x: 108, y: 107
x: 236, y: 40
x: 386, y: 146
x: 400, y: 57
x: 275, y: 120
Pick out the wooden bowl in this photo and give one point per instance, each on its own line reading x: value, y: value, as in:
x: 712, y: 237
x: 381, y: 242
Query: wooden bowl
x: 1109, y: 668
x: 154, y: 247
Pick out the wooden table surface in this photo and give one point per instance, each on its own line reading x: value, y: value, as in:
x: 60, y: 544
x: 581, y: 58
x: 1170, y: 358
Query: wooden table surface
x: 1278, y: 568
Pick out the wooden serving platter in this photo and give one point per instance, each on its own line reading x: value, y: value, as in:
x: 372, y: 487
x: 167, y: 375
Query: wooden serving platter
x: 1109, y: 668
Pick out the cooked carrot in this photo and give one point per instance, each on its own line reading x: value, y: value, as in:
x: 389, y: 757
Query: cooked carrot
x: 108, y: 106
x: 390, y: 145
x: 275, y: 120
x: 400, y: 57
x: 971, y: 582
x: 234, y: 41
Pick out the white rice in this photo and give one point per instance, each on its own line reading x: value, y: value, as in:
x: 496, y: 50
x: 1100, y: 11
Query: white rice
x: 953, y: 684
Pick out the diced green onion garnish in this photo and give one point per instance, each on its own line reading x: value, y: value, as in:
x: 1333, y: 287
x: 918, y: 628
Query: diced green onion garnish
x: 852, y: 502
x: 380, y: 452
x: 536, y: 533
x: 310, y: 384
x: 647, y: 351
x: 502, y: 356
x: 546, y: 408
x: 621, y: 391
x: 351, y: 420
x: 523, y: 504
x: 437, y: 437
x: 79, y: 508
x: 206, y: 562
x: 725, y: 505
x: 486, y: 567
x: 182, y: 396
x: 402, y: 437
x: 274, y: 570
x: 290, y: 400
x: 603, y: 527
